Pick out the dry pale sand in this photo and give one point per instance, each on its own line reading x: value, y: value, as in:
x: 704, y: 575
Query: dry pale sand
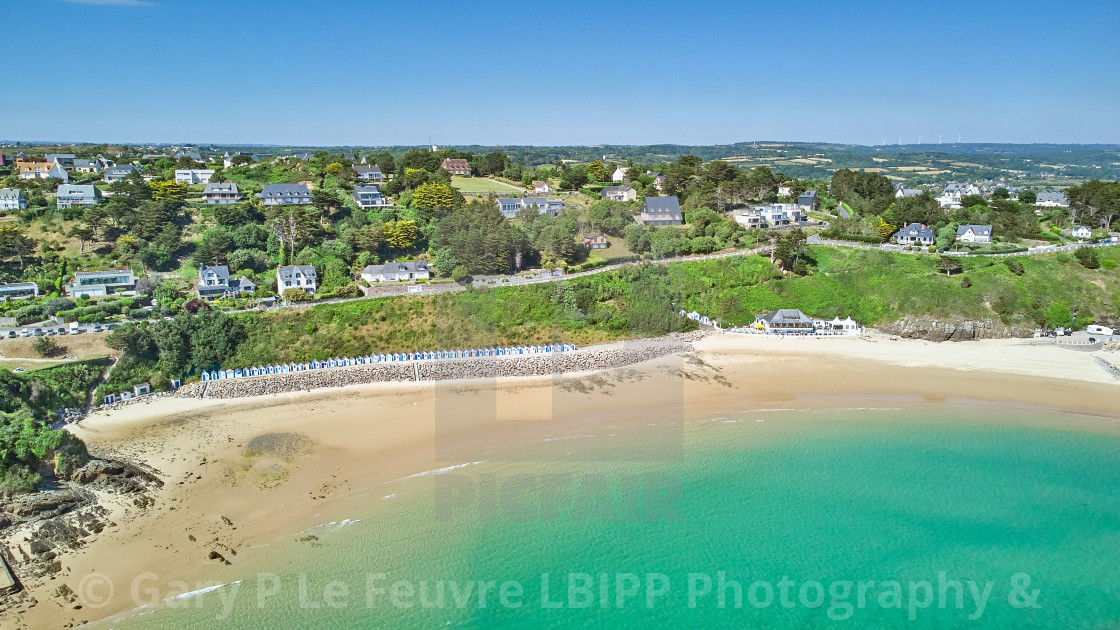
x: 323, y: 450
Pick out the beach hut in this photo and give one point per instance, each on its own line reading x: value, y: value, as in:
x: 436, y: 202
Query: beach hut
x: 110, y: 399
x: 142, y: 388
x: 125, y: 396
x: 213, y: 376
x: 205, y: 376
x: 237, y: 373
x: 315, y: 365
x: 175, y: 383
x: 221, y: 375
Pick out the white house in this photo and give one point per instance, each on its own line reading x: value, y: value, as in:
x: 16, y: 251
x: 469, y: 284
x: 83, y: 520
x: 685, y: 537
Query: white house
x: 541, y: 188
x: 1052, y: 200
x: 12, y: 199
x: 914, y: 234
x: 509, y: 206
x: 974, y: 233
x: 369, y: 196
x: 295, y: 277
x: 786, y: 321
x: 285, y: 194
x: 221, y: 193
x: 1082, y: 231
x: 227, y: 161
x: 119, y: 172
x: 369, y: 173
x: 618, y: 193
x: 658, y: 180
x: 193, y: 175
x: 99, y: 283
x: 69, y: 195
x: 951, y: 196
x: 397, y: 272
x: 771, y: 215
x: 620, y: 174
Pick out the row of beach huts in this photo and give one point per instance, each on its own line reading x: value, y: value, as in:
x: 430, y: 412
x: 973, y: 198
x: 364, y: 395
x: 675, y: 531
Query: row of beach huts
x: 392, y: 357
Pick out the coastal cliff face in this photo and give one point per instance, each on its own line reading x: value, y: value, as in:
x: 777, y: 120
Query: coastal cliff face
x: 935, y: 329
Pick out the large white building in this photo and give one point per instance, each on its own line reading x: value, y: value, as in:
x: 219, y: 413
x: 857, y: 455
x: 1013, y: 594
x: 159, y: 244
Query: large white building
x: 295, y: 277
x: 193, y: 175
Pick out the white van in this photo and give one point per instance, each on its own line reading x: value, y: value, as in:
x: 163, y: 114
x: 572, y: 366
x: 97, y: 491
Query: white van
x: 74, y: 328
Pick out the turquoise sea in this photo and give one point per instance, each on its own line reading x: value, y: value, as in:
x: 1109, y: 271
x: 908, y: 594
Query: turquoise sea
x: 925, y: 517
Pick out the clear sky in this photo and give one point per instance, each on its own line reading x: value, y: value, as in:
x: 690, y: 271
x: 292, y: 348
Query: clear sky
x: 384, y: 72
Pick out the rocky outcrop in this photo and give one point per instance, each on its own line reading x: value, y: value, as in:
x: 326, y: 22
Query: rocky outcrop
x: 935, y: 329
x: 582, y: 360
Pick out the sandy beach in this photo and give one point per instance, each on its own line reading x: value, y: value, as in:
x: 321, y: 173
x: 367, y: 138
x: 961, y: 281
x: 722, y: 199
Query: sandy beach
x: 242, y: 474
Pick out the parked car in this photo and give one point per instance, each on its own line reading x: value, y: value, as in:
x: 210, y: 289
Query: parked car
x: 24, y: 332
x: 97, y: 328
x: 11, y: 334
x: 38, y: 332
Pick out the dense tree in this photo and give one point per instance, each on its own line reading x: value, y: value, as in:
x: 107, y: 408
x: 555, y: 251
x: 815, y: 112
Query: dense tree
x: 480, y: 238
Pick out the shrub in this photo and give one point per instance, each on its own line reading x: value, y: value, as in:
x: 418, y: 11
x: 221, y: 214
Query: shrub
x: 45, y: 346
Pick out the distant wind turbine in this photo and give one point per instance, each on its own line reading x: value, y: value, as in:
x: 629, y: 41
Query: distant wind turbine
x: 958, y: 138
x: 919, y: 139
x: 939, y: 138
x: 900, y: 141
x: 884, y: 142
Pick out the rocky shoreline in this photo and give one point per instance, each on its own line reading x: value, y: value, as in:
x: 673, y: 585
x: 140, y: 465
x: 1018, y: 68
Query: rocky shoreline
x: 935, y: 329
x: 38, y: 529
x: 582, y: 360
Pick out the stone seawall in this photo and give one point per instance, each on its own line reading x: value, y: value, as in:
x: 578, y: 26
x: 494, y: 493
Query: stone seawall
x: 582, y: 360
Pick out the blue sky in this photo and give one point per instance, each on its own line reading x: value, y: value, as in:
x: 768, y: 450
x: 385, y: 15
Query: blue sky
x: 373, y: 72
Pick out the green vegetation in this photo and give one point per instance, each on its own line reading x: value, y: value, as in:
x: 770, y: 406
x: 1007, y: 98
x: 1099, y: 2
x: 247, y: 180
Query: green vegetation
x: 878, y: 287
x: 27, y: 446
x: 480, y: 185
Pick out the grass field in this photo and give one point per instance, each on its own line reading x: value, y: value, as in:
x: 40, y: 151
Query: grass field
x: 481, y: 185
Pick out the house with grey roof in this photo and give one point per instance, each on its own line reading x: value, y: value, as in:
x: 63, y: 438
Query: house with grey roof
x: 808, y: 200
x: 974, y: 233
x: 228, y: 158
x: 306, y: 157
x: 510, y: 206
x: 65, y: 160
x: 369, y: 173
x: 12, y: 199
x: 903, y: 192
x: 295, y: 277
x: 1082, y: 231
x: 661, y: 211
x: 82, y: 165
x: 619, y: 193
x: 221, y: 193
x: 84, y: 195
x: 195, y: 156
x: 369, y: 196
x: 406, y: 271
x: 785, y: 321
x: 914, y: 234
x: 101, y: 283
x: 1052, y: 200
x: 120, y: 171
x: 285, y: 194
x: 214, y: 282
x: 658, y: 179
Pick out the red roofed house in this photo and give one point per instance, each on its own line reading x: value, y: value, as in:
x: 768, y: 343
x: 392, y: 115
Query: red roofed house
x: 456, y: 166
x: 594, y: 240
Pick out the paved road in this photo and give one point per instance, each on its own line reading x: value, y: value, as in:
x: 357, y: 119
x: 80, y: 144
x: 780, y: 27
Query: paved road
x: 7, y: 332
x: 509, y: 281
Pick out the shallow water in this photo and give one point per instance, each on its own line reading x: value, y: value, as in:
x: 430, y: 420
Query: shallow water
x: 919, y: 518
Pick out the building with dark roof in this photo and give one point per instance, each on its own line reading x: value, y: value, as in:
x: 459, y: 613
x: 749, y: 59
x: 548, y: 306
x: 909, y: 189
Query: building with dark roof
x: 661, y: 211
x: 285, y: 194
x: 456, y: 166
